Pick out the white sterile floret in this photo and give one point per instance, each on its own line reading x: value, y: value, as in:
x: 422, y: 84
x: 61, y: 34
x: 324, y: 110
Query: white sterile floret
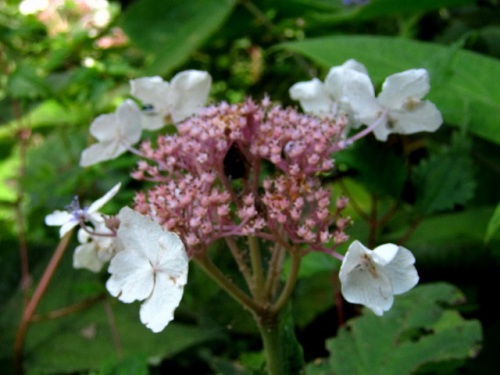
x: 401, y: 98
x: 152, y: 267
x: 186, y: 93
x: 373, y: 277
x: 329, y: 98
x: 95, y: 250
x: 75, y: 215
x: 116, y: 132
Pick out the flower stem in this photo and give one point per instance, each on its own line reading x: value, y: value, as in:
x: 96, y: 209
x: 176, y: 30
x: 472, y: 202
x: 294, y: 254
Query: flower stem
x: 240, y: 261
x: 258, y: 272
x: 344, y: 144
x: 215, y: 274
x: 35, y: 300
x: 274, y: 270
x: 270, y: 333
x: 290, y: 283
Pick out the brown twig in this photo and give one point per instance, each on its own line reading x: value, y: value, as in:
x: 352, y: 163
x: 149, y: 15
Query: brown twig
x: 59, y: 313
x: 414, y: 225
x: 23, y: 135
x: 30, y: 308
x: 117, y: 342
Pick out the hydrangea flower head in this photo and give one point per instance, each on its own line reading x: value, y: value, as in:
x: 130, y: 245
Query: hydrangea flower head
x: 208, y: 181
x: 152, y: 267
x: 115, y: 133
x: 186, y: 93
x: 75, y: 215
x: 373, y: 277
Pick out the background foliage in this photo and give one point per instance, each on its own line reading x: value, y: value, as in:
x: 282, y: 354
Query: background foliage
x: 436, y: 193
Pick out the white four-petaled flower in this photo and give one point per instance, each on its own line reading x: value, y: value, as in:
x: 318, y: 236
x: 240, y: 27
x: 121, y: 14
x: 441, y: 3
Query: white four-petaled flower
x: 400, y: 100
x: 186, y: 93
x: 152, y: 267
x: 75, y: 215
x: 348, y: 90
x: 373, y: 277
x: 116, y: 132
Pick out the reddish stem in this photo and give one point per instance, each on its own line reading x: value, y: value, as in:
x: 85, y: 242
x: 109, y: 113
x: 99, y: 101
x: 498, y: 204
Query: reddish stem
x: 35, y: 300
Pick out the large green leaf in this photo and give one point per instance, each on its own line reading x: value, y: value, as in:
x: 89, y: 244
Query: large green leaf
x: 171, y: 30
x: 446, y: 179
x: 419, y: 329
x: 463, y: 83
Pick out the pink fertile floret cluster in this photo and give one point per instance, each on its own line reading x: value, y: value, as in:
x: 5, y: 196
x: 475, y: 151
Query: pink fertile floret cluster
x: 248, y: 169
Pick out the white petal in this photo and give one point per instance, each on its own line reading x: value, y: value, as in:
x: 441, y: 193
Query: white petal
x: 340, y: 77
x: 131, y: 276
x: 189, y: 93
x: 384, y: 254
x: 399, y: 87
x: 152, y: 121
x: 115, y: 132
x: 85, y: 256
x: 312, y: 96
x: 98, y: 204
x: 101, y: 152
x: 360, y: 96
x: 354, y: 65
x: 57, y: 218
x: 66, y: 227
x: 172, y: 257
x: 151, y: 91
x: 83, y: 236
x: 372, y: 289
x: 158, y: 310
x: 104, y: 128
x: 402, y: 272
x: 423, y: 117
x: 354, y: 257
x: 129, y: 122
x: 139, y: 233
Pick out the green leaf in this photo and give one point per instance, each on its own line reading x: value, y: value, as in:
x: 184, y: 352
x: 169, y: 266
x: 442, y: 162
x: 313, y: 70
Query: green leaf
x: 84, y: 341
x: 419, y: 329
x: 384, y: 8
x: 313, y: 296
x: 446, y: 179
x: 378, y: 167
x: 493, y: 225
x: 26, y: 83
x: 134, y: 364
x: 171, y: 30
x: 463, y: 84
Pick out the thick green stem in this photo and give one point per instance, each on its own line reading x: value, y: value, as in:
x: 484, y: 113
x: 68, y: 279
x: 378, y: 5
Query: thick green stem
x: 270, y: 333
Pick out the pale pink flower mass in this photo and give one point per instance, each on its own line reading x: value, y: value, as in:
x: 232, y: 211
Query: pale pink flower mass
x: 208, y: 177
